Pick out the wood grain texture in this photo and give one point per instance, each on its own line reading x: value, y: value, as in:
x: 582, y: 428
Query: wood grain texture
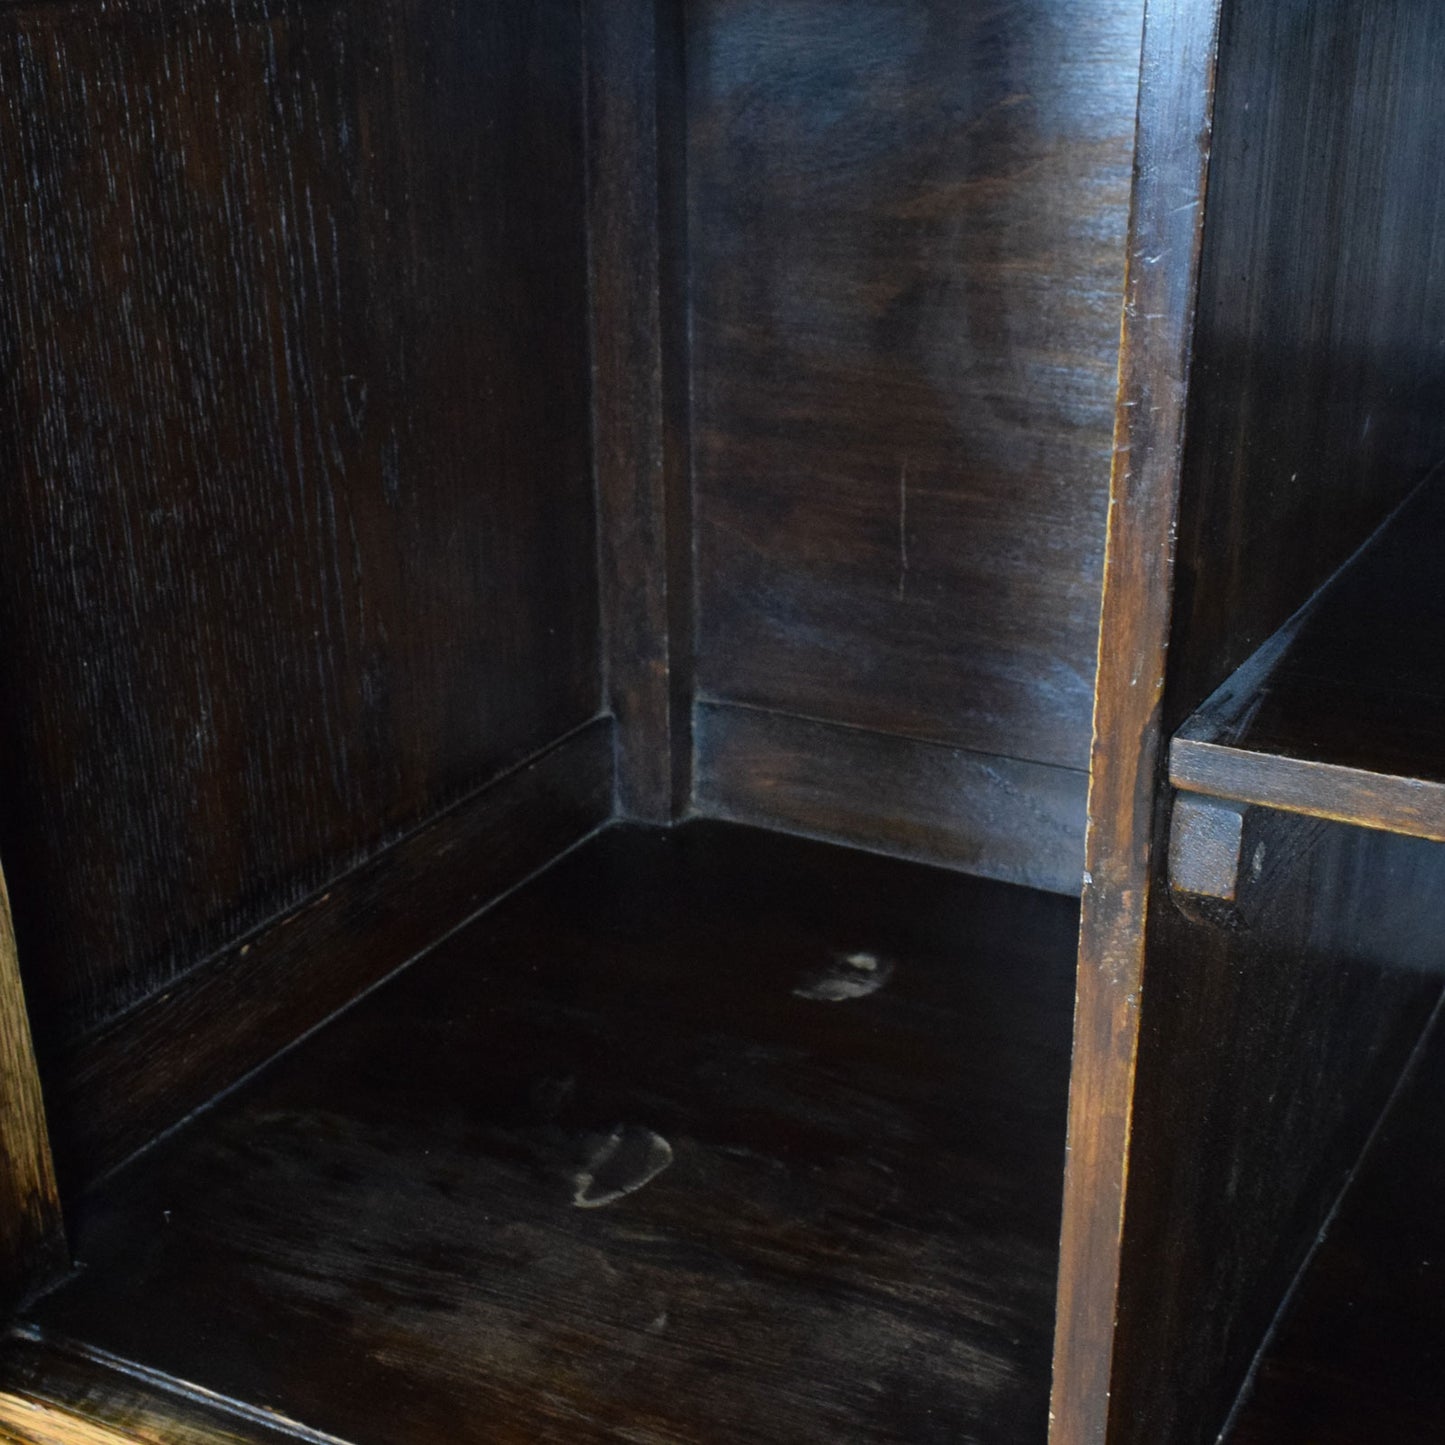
x: 297, y: 539
x: 1225, y: 860
x: 1360, y: 1355
x: 996, y: 817
x: 1322, y: 300
x: 854, y: 1238
x: 907, y: 234
x: 638, y: 215
x: 1175, y: 98
x: 1342, y: 714
x: 1267, y: 1055
x: 1206, y: 848
x: 1314, y: 408
x: 32, y: 1234
x: 138, y: 1076
x: 54, y: 1394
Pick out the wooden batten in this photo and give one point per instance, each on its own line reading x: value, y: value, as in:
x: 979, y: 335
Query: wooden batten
x: 637, y: 216
x: 994, y: 816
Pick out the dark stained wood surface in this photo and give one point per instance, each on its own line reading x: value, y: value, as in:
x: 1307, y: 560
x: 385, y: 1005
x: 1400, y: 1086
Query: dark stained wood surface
x: 294, y: 419
x: 638, y: 215
x: 1314, y: 407
x: 126, y: 1084
x: 1318, y: 366
x: 1342, y: 714
x: 907, y: 234
x: 1175, y: 100
x: 854, y: 1238
x: 994, y: 817
x: 1267, y: 1054
x: 32, y: 1233
x: 1360, y: 1355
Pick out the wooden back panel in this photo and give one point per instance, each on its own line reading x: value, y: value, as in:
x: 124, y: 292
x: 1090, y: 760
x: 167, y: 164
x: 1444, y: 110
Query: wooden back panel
x: 1317, y: 364
x: 907, y: 237
x: 297, y: 537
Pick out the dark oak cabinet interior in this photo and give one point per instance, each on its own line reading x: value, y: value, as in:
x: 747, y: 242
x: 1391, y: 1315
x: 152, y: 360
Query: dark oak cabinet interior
x: 721, y: 720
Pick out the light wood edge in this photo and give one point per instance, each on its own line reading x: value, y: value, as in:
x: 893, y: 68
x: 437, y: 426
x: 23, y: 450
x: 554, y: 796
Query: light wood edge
x: 1175, y: 112
x: 1413, y: 807
x: 28, y: 1420
x: 60, y: 1392
x: 24, y: 1421
x: 33, y: 1231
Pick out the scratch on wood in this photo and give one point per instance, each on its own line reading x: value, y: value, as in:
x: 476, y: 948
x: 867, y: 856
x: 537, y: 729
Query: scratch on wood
x: 903, y: 529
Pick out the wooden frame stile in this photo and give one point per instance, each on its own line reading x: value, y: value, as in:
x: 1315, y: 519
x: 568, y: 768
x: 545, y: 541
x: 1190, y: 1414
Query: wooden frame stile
x: 637, y: 229
x: 1166, y: 221
x: 32, y: 1233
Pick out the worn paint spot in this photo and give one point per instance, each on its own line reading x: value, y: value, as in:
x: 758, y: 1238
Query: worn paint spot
x: 848, y: 976
x: 618, y: 1164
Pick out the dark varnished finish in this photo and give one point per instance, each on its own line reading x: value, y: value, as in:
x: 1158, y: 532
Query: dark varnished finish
x: 637, y: 211
x: 996, y: 817
x: 1360, y: 1355
x: 1313, y: 409
x: 907, y: 237
x: 854, y: 1239
x: 1316, y: 405
x: 1342, y: 715
x: 294, y: 421
x: 1267, y: 1053
x: 135, y: 1078
x: 1175, y: 99
x: 32, y: 1233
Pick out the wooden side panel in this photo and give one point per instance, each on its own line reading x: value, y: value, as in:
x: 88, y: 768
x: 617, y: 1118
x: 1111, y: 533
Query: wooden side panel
x: 32, y: 1236
x: 297, y: 539
x: 637, y: 206
x: 997, y: 817
x: 1175, y: 97
x: 907, y: 228
x: 1318, y: 366
x: 122, y: 1086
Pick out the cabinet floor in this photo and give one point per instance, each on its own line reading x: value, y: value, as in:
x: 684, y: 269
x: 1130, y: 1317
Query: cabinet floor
x: 704, y: 1135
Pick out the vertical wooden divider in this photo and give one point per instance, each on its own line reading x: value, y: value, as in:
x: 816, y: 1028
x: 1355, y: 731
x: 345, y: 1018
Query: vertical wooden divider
x: 637, y: 220
x: 32, y: 1235
x: 1176, y: 87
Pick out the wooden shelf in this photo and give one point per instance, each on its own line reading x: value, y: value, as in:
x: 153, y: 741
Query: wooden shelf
x: 1341, y: 715
x: 838, y: 1082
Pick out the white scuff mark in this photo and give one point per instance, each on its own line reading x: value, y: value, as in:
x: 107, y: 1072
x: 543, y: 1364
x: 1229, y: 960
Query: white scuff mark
x: 620, y: 1164
x: 849, y: 976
